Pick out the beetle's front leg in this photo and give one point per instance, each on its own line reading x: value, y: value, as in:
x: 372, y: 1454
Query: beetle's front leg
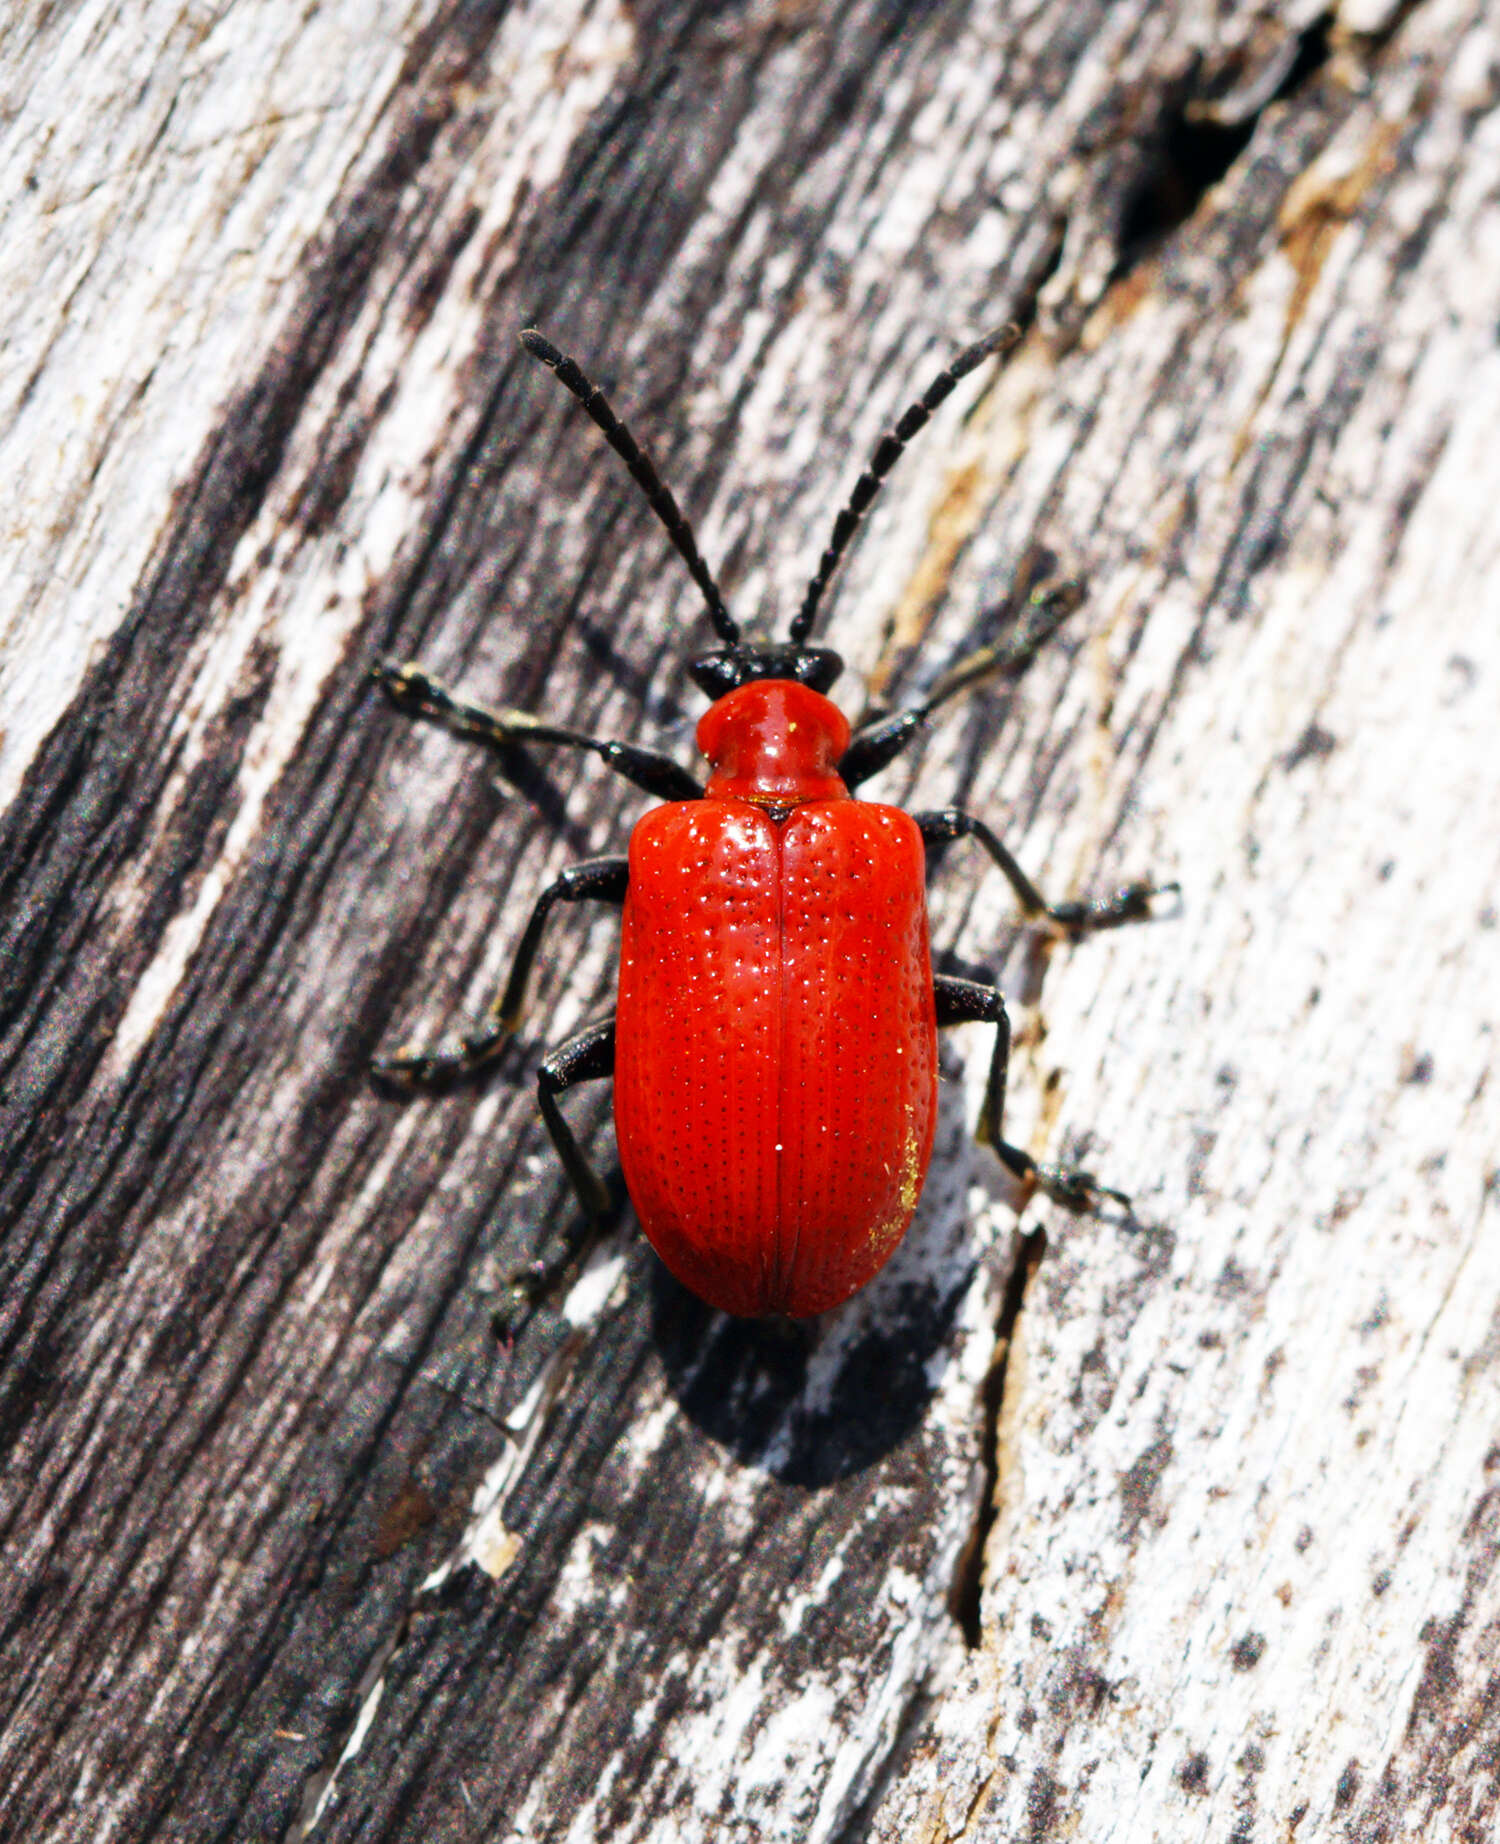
x: 879, y: 743
x: 601, y: 880
x: 585, y: 1058
x: 968, y: 1002
x: 1130, y: 904
x: 415, y: 693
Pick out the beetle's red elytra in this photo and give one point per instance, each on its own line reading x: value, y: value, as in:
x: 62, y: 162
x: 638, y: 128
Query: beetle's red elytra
x: 776, y: 1033
x: 774, y: 1044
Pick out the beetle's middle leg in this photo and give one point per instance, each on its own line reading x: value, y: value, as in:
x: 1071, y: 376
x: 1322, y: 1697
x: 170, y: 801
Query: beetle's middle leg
x: 968, y: 1002
x: 600, y: 880
x: 1132, y: 903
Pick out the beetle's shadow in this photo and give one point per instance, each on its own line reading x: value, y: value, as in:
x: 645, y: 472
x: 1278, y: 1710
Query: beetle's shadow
x: 814, y: 1401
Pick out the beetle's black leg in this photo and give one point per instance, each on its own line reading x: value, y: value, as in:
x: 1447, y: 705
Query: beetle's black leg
x: 1132, y: 903
x: 584, y: 1058
x: 882, y: 741
x: 967, y: 1002
x: 600, y: 880
x: 417, y: 694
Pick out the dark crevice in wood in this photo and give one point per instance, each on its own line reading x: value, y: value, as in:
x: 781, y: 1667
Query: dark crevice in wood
x: 1278, y: 477
x: 1198, y: 137
x: 966, y: 1598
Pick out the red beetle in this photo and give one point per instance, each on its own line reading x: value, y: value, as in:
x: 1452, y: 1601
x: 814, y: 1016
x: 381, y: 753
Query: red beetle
x: 774, y: 1047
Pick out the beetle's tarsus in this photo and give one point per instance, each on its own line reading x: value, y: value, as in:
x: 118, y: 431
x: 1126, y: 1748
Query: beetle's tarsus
x: 1080, y: 1192
x: 415, y: 693
x: 1131, y: 903
x: 536, y: 1280
x: 529, y: 1287
x: 404, y: 684
x: 539, y: 1281
x: 520, y: 1295
x: 446, y: 1062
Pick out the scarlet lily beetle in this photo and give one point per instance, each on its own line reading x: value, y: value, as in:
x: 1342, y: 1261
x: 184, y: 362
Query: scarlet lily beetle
x: 774, y: 1046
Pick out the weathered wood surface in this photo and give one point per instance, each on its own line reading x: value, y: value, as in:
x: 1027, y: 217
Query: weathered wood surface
x: 289, y: 1549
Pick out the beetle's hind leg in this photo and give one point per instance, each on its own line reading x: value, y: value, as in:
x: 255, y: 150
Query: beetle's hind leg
x: 1132, y: 903
x: 415, y: 693
x: 600, y: 880
x: 588, y: 1057
x: 968, y: 1002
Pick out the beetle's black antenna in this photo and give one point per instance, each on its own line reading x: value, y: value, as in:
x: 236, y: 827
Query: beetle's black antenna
x: 887, y: 451
x: 642, y: 473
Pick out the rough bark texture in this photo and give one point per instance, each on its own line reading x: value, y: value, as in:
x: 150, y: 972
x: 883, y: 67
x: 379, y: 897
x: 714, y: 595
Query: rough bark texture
x: 1182, y: 1524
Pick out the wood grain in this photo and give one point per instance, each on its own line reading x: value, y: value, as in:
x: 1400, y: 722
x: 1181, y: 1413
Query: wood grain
x: 1172, y: 1524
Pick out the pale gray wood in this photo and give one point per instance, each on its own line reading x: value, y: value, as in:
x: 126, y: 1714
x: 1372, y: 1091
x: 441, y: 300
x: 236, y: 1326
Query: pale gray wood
x: 289, y: 1548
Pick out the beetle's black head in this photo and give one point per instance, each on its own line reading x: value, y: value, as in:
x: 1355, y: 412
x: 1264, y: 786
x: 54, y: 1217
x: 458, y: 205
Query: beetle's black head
x: 727, y: 668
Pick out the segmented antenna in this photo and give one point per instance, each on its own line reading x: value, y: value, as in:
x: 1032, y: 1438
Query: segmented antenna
x: 645, y: 476
x: 887, y: 451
